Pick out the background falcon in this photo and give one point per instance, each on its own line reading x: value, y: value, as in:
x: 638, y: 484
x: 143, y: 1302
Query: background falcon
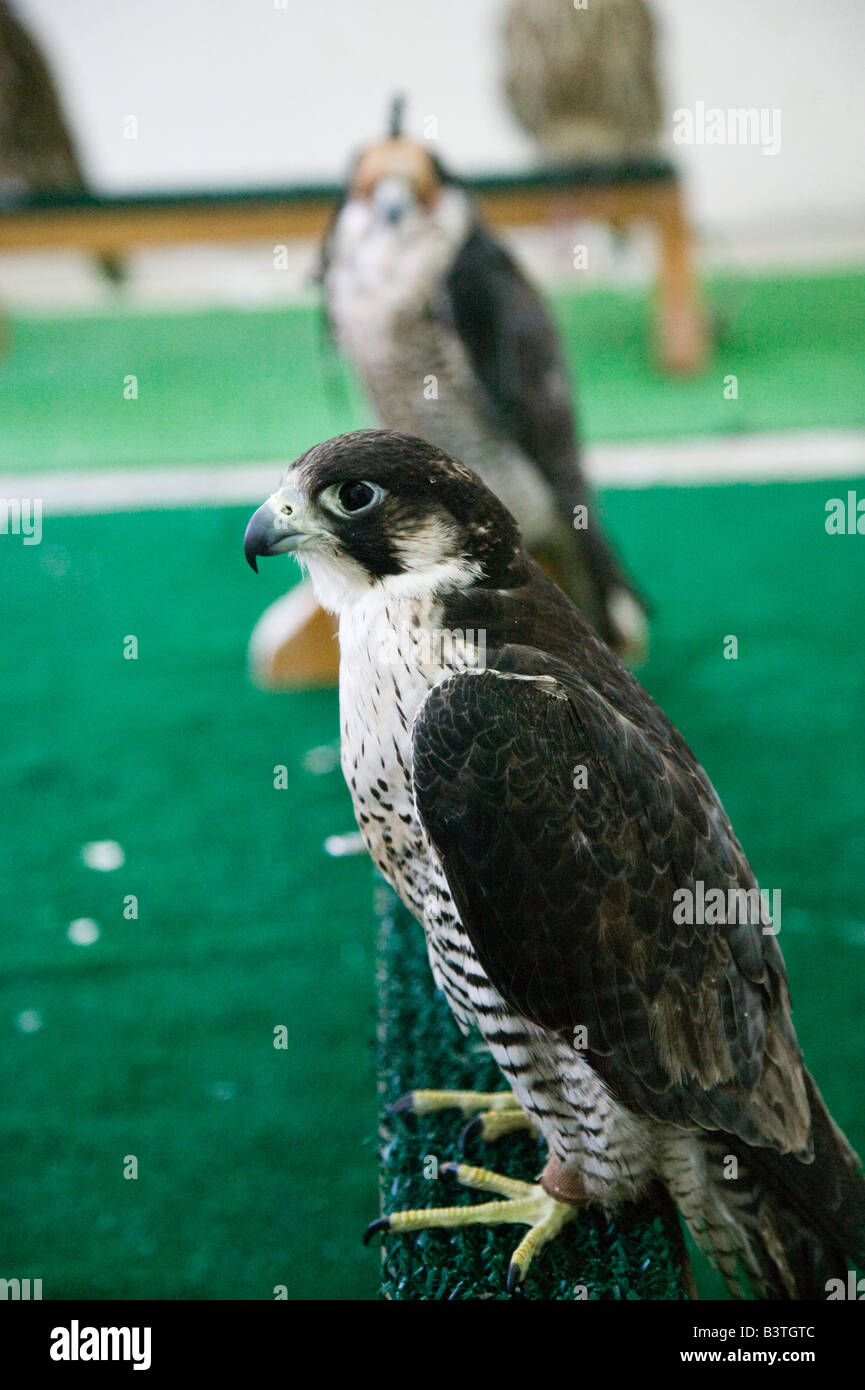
x: 453, y: 344
x: 583, y: 82
x: 645, y: 1051
x: 37, y: 148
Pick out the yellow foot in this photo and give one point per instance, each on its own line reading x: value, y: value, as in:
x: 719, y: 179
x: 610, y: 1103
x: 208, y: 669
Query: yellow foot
x: 469, y: 1102
x: 495, y: 1112
x: 525, y: 1203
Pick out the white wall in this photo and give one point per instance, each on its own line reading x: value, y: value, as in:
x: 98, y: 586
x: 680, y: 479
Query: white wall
x: 238, y: 92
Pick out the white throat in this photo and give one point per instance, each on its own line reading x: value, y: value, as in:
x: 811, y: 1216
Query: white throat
x: 378, y: 271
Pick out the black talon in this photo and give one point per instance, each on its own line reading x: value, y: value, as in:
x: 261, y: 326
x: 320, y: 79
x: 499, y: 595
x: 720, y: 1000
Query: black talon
x: 515, y: 1280
x: 470, y: 1131
x: 381, y: 1223
x: 401, y: 1106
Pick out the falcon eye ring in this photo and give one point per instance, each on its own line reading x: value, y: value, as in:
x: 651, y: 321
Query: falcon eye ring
x: 357, y: 496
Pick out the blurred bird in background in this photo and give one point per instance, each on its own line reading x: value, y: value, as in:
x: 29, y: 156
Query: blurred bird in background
x: 583, y: 82
x: 37, y: 149
x: 455, y: 345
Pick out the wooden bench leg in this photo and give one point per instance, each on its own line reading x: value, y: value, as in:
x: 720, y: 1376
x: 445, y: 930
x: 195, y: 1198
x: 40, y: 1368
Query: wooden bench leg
x: 682, y: 344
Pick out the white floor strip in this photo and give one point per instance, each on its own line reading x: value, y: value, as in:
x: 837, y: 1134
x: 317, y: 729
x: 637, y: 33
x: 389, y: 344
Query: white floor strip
x: 679, y: 462
x: 730, y: 458
x: 145, y: 489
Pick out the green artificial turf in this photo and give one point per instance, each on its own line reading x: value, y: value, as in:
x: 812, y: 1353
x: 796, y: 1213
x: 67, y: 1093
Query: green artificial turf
x: 245, y: 925
x: 258, y: 1167
x: 226, y: 385
x: 419, y: 1045
x: 157, y: 1041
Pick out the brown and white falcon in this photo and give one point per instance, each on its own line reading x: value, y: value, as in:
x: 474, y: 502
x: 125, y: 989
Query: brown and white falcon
x: 583, y: 79
x: 541, y: 818
x: 454, y: 344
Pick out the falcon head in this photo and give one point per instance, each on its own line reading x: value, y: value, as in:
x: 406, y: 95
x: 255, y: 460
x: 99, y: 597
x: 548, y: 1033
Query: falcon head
x: 379, y: 508
x: 399, y: 227
x: 396, y: 178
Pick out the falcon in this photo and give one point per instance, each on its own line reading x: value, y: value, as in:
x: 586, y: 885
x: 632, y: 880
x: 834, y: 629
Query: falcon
x: 453, y: 344
x: 542, y: 818
x: 584, y: 80
x: 38, y: 154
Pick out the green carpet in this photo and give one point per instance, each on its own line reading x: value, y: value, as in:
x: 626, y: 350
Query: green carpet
x: 595, y: 1257
x: 244, y: 924
x: 258, y: 1167
x: 234, y: 385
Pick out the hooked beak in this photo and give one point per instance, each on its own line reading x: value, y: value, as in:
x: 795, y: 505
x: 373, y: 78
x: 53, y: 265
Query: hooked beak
x: 392, y: 199
x: 276, y: 527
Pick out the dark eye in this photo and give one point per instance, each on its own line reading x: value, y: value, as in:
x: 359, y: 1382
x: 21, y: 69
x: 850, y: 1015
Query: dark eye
x: 356, y: 496
x: 352, y: 498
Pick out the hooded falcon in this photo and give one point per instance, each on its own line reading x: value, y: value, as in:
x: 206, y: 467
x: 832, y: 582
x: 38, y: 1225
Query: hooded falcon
x: 541, y: 818
x: 453, y: 343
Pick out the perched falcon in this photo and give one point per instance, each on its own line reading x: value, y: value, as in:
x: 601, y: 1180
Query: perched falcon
x: 453, y: 344
x: 37, y: 149
x: 583, y: 80
x: 541, y: 817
